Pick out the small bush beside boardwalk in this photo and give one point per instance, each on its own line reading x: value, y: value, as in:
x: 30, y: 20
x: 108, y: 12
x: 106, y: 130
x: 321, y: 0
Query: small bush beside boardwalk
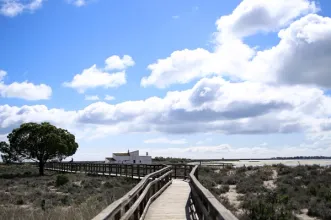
x: 294, y: 191
x: 26, y: 195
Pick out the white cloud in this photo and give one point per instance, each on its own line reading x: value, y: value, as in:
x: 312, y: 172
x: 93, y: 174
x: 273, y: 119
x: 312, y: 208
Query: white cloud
x: 12, y: 8
x: 78, y: 3
x: 214, y: 105
x: 94, y: 77
x: 252, y: 16
x: 101, y: 77
x: 24, y: 90
x: 12, y: 116
x: 116, y: 63
x: 175, y: 16
x: 302, y: 56
x: 109, y: 98
x: 164, y: 140
x: 91, y: 97
x: 232, y: 58
x: 2, y: 74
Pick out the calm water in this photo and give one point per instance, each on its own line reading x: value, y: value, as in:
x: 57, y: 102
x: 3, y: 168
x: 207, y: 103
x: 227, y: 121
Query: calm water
x: 270, y: 162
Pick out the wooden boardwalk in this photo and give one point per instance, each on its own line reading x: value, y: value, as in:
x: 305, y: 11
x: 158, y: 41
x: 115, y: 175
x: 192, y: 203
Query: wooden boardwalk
x: 171, y: 204
x: 97, y: 173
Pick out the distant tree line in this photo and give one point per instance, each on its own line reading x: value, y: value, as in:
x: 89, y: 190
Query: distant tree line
x: 301, y: 158
x: 170, y: 160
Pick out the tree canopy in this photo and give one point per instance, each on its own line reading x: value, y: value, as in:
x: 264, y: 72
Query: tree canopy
x: 38, y: 142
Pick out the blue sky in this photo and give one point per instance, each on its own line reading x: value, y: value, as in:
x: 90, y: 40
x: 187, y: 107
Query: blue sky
x: 230, y: 78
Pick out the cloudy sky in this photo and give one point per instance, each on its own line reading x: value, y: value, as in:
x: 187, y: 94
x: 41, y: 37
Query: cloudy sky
x: 191, y: 78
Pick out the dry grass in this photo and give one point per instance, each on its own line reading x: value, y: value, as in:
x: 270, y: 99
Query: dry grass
x: 25, y: 195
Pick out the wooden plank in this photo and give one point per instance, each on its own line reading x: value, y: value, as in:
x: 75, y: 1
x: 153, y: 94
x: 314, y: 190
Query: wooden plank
x: 135, y: 207
x: 115, y: 207
x: 171, y: 203
x: 155, y: 196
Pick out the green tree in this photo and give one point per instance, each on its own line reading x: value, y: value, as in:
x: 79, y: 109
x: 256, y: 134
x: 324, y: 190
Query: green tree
x: 38, y: 142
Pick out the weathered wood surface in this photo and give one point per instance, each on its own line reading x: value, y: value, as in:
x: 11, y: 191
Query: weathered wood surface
x: 99, y: 174
x: 181, y: 171
x: 171, y: 204
x: 207, y: 206
x: 134, y: 171
x: 133, y: 199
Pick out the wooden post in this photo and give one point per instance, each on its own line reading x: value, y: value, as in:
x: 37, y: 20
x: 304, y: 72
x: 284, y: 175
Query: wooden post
x: 138, y: 171
x: 185, y: 171
x: 132, y: 171
x: 126, y: 170
x: 175, y: 171
x: 197, y: 173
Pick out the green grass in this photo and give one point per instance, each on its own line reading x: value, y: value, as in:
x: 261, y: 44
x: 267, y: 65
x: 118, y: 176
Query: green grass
x: 25, y: 195
x: 300, y: 187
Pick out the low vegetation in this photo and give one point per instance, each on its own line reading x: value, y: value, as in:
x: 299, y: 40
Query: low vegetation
x: 272, y: 192
x: 26, y: 195
x: 170, y: 160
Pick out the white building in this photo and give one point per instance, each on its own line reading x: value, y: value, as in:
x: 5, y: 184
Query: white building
x: 129, y: 158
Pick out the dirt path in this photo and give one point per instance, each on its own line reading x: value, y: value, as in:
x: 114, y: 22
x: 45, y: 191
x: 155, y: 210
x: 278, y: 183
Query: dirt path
x: 232, y: 196
x: 270, y: 184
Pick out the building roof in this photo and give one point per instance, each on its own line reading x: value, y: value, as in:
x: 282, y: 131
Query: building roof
x: 121, y: 154
x: 110, y: 159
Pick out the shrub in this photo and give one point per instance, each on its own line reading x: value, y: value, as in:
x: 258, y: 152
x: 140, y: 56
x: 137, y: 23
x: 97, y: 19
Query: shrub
x: 65, y: 200
x: 220, y: 190
x: 267, y: 206
x: 20, y: 202
x: 108, y: 185
x: 61, y: 180
x: 320, y: 209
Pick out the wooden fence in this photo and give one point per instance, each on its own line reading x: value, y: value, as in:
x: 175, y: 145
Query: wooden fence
x: 135, y: 171
x: 135, y: 203
x: 205, y: 204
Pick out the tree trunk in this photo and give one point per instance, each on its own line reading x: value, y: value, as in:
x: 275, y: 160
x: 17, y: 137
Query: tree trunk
x: 41, y: 168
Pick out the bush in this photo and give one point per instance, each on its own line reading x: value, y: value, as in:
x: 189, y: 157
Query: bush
x: 61, y: 180
x: 267, y: 206
x: 319, y: 209
x: 108, y: 185
x: 20, y: 202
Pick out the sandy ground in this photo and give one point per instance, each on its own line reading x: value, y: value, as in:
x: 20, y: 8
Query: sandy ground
x: 232, y: 196
x: 304, y: 216
x: 270, y: 184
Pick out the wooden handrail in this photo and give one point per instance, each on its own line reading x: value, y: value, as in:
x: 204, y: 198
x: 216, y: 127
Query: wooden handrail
x: 146, y: 194
x: 135, y: 171
x: 118, y: 208
x: 206, y: 205
x: 142, y: 217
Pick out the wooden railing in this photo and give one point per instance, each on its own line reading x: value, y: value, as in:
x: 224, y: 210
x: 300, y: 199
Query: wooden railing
x: 181, y: 171
x: 135, y: 203
x: 136, y: 171
x: 205, y: 204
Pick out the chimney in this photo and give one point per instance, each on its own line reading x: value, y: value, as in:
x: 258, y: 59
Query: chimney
x: 146, y: 153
